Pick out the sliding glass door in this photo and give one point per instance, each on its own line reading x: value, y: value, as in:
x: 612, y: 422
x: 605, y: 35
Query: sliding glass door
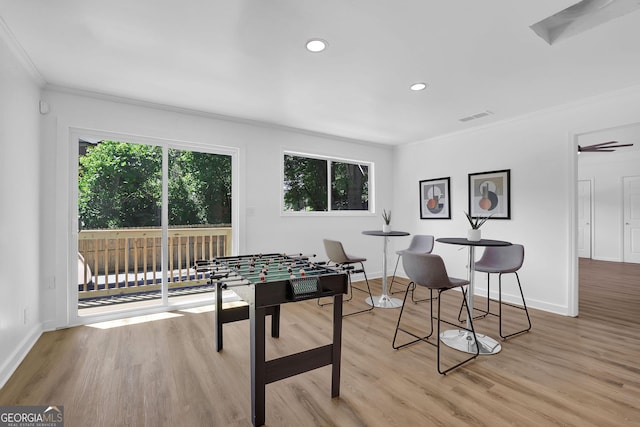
x: 132, y: 253
x: 199, y: 218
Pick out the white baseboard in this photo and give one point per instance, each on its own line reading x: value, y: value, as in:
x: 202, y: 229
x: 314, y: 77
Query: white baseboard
x: 11, y: 364
x: 370, y: 275
x: 510, y: 298
x: 531, y: 303
x: 599, y: 258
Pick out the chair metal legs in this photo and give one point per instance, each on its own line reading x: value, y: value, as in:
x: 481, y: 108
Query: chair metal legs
x: 393, y: 279
x: 425, y: 338
x: 413, y: 298
x: 524, y: 307
x: 411, y: 287
x: 349, y: 270
x: 487, y: 311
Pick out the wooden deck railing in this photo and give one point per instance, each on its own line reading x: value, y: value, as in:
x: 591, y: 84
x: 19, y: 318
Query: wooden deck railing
x: 113, y: 262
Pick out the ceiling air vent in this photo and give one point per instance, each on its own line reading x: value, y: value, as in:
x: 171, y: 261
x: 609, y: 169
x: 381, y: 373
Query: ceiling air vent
x: 476, y: 116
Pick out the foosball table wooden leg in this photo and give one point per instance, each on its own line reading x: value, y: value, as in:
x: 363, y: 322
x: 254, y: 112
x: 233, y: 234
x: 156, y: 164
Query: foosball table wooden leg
x: 275, y: 322
x: 258, y: 364
x: 337, y: 345
x: 217, y: 316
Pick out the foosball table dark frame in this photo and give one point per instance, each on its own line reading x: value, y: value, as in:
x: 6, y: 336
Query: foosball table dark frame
x: 265, y: 299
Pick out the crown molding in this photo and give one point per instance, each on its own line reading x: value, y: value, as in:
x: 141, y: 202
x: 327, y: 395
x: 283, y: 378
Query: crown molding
x: 570, y: 105
x: 16, y: 48
x: 216, y: 116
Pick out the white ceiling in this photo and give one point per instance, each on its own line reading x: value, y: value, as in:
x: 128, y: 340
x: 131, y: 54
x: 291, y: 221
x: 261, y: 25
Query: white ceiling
x: 246, y: 59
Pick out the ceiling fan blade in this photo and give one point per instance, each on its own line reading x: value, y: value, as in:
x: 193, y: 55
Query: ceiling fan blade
x: 593, y: 150
x: 620, y: 145
x: 603, y: 146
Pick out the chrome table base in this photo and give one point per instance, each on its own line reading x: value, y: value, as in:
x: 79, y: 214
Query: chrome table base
x: 463, y: 340
x: 384, y: 301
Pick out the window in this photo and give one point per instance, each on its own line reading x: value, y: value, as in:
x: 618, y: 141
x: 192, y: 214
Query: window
x: 316, y: 184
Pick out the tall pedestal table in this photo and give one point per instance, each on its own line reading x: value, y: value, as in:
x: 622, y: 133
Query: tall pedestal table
x: 461, y: 339
x: 384, y: 300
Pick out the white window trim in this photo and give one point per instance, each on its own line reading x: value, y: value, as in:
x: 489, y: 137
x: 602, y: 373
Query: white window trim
x: 353, y: 213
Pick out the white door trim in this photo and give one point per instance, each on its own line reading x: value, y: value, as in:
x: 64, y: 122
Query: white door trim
x: 625, y: 240
x: 591, y: 215
x: 572, y: 201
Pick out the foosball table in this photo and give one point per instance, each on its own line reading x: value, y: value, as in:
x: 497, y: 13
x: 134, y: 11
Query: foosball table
x: 265, y: 282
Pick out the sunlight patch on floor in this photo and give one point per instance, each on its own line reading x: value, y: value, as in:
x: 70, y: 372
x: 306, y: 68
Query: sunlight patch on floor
x: 133, y: 320
x: 198, y: 310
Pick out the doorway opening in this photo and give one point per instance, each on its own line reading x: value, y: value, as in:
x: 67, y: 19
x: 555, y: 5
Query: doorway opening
x: 610, y: 176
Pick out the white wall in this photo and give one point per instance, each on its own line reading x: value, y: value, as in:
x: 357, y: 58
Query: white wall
x: 19, y: 210
x: 539, y: 151
x: 36, y: 175
x: 606, y: 171
x: 262, y: 227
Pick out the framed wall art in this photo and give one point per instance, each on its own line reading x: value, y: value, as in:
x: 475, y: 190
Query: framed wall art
x: 490, y: 194
x: 435, y: 200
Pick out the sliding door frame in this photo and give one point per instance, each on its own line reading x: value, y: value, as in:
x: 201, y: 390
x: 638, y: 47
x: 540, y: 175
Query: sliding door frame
x: 75, y: 134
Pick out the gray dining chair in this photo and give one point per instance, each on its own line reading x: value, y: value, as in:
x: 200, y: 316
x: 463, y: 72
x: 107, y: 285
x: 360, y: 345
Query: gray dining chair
x: 501, y: 260
x: 429, y: 271
x: 339, y: 258
x: 420, y: 244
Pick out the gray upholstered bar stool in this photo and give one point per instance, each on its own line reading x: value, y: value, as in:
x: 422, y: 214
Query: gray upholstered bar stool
x: 420, y: 244
x: 428, y: 270
x: 338, y: 257
x: 501, y: 260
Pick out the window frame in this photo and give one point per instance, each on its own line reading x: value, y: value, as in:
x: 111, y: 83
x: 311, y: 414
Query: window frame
x: 329, y: 212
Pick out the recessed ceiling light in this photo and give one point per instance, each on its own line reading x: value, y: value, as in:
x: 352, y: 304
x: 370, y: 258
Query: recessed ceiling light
x: 316, y: 45
x: 418, y: 86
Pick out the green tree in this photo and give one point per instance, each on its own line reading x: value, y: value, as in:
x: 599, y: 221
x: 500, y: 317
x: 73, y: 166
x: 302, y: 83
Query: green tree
x: 199, y: 188
x: 183, y: 198
x: 305, y: 182
x: 120, y: 185
x: 349, y: 186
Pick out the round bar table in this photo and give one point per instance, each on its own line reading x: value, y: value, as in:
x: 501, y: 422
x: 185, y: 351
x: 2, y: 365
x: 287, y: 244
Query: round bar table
x: 384, y: 300
x: 461, y: 339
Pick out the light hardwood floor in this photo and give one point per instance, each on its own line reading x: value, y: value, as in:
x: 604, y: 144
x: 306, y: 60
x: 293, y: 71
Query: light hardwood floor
x: 581, y: 371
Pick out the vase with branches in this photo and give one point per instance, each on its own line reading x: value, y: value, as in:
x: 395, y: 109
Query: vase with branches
x: 475, y: 233
x: 386, y: 216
